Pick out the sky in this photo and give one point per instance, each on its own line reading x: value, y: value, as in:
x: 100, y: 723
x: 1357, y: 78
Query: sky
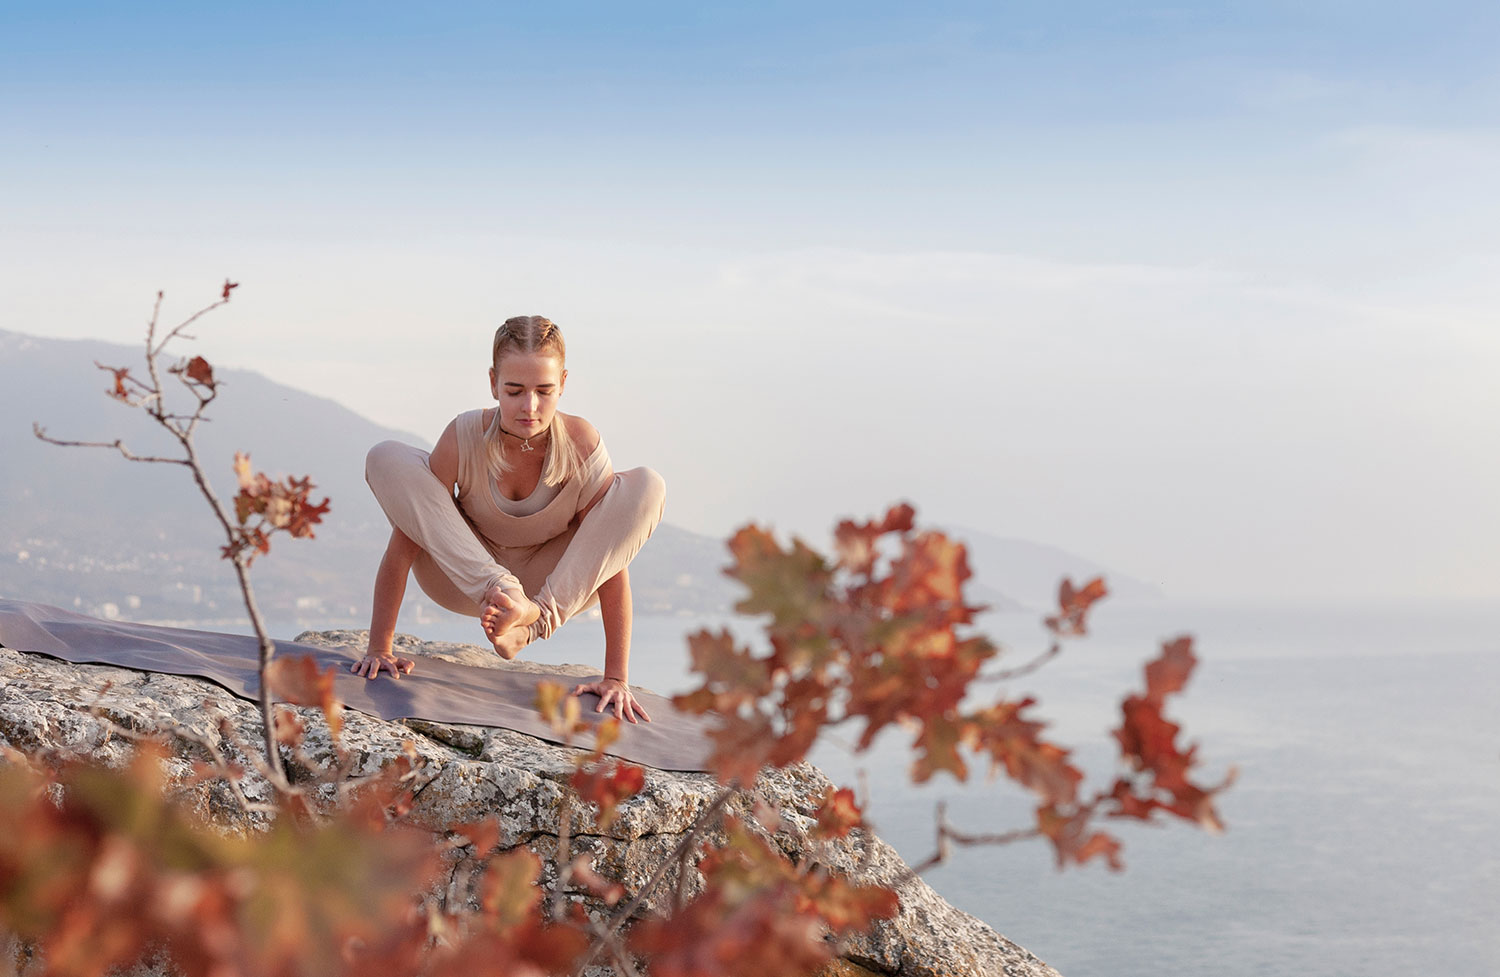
x: 1204, y: 292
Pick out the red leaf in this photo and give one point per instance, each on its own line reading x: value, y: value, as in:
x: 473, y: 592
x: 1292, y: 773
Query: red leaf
x: 199, y: 371
x: 121, y: 374
x: 299, y: 682
x: 838, y: 814
x: 607, y: 785
x: 1169, y: 673
x: 229, y: 286
x: 1073, y: 606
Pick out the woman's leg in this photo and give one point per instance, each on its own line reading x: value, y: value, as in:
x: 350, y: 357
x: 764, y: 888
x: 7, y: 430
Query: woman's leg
x: 604, y: 543
x: 423, y: 508
x: 420, y: 507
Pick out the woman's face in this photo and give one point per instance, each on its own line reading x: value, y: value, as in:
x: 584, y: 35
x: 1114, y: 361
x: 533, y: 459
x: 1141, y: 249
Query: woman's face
x: 527, y: 385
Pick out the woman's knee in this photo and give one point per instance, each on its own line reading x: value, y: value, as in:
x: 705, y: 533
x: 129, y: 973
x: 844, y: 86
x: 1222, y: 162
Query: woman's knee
x: 648, y: 489
x: 389, y: 459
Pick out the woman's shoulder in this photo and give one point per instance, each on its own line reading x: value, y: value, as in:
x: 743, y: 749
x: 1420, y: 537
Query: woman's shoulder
x: 585, y: 436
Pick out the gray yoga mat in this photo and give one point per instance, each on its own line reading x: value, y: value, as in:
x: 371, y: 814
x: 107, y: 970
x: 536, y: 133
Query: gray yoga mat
x: 438, y: 691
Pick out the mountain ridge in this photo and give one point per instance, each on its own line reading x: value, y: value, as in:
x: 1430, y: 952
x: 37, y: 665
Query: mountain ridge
x: 83, y: 528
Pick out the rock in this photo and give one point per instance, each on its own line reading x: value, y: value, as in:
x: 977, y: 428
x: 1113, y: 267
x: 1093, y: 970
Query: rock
x: 474, y: 772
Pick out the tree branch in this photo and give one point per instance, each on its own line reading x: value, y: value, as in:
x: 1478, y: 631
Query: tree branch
x: 117, y: 444
x: 623, y: 914
x: 1026, y: 668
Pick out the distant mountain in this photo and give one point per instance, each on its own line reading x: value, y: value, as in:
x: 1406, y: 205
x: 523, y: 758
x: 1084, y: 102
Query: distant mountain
x: 84, y: 528
x: 1029, y: 572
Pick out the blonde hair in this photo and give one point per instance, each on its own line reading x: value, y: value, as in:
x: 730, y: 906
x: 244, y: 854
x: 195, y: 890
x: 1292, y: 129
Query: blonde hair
x: 533, y: 334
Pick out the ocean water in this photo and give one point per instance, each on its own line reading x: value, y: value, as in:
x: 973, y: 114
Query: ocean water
x: 1361, y: 829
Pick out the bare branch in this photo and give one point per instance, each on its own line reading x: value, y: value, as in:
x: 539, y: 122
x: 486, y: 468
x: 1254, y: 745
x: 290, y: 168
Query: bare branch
x: 947, y: 837
x: 116, y: 444
x: 177, y: 331
x: 563, y: 862
x: 623, y: 914
x: 1025, y: 669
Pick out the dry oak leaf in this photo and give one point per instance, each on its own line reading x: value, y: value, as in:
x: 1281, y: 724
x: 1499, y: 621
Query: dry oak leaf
x: 856, y: 542
x: 121, y: 375
x: 838, y: 814
x: 1073, y: 606
x: 300, y: 682
x: 607, y: 785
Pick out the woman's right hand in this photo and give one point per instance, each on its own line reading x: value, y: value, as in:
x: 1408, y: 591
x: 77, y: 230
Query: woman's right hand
x: 370, y: 665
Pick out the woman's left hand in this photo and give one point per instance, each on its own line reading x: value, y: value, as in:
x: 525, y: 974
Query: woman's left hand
x: 613, y: 692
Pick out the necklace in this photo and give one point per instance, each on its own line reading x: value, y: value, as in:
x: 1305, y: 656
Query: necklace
x: 525, y: 442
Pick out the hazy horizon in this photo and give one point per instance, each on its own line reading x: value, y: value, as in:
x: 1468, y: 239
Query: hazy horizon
x: 1204, y: 294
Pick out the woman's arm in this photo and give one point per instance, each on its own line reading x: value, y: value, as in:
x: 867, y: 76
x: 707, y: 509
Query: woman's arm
x: 614, y: 689
x: 444, y: 457
x: 390, y: 588
x: 395, y: 567
x: 615, y: 606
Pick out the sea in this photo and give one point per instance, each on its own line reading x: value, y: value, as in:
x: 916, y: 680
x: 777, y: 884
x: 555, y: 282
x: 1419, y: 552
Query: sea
x: 1361, y: 827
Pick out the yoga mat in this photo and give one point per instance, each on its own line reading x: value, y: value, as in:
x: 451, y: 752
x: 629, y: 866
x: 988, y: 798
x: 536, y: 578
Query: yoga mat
x: 437, y: 691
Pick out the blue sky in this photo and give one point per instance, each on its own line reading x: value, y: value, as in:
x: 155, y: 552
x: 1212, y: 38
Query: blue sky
x: 1206, y: 291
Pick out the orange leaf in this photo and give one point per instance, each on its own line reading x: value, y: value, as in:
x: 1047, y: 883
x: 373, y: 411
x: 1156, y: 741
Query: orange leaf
x: 121, y: 375
x: 607, y: 785
x: 838, y: 814
x: 299, y: 682
x: 1073, y: 606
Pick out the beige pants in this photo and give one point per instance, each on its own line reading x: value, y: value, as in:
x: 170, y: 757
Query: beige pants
x: 457, y: 565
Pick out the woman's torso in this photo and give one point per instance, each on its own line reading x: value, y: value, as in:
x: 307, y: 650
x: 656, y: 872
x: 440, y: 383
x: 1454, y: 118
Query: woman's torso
x: 521, y: 510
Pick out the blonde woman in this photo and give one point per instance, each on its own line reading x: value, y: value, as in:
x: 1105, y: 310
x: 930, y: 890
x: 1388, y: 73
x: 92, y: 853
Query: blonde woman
x: 515, y: 517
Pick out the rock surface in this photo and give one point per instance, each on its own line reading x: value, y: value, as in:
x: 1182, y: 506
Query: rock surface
x: 475, y: 772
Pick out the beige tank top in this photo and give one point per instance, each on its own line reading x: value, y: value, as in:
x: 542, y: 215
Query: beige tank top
x: 531, y: 521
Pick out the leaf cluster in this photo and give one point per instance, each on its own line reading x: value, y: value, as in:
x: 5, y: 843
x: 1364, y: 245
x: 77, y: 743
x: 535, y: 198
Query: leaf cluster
x: 881, y: 635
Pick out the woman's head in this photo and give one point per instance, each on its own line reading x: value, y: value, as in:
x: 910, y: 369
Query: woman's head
x: 528, y: 334
x: 527, y: 374
x: 527, y: 378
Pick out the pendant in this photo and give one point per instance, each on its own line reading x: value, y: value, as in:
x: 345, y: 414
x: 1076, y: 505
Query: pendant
x: 526, y: 445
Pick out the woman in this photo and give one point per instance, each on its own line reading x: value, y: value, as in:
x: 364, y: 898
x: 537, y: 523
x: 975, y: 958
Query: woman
x: 538, y: 512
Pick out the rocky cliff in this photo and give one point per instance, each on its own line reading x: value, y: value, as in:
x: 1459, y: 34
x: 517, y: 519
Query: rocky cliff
x: 471, y: 773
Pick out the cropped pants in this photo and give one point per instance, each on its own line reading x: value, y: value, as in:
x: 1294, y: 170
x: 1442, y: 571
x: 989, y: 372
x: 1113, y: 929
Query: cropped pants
x: 457, y: 565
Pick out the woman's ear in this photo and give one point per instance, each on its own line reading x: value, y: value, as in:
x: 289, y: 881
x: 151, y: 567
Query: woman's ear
x: 562, y: 381
x: 494, y: 392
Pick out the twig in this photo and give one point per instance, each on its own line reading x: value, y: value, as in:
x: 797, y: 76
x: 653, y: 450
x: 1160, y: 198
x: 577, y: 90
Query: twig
x: 1025, y: 669
x: 117, y: 444
x: 623, y: 914
x: 561, y: 860
x: 947, y: 837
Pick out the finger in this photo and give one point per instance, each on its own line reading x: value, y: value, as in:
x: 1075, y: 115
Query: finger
x: 390, y: 665
x: 643, y: 714
x: 407, y: 665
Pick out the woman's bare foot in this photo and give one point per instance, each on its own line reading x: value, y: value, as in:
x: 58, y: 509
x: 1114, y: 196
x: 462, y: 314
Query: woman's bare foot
x: 503, y: 612
x: 509, y: 644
